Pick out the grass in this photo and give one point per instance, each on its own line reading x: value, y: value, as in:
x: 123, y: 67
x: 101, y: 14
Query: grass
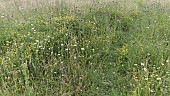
x: 112, y: 48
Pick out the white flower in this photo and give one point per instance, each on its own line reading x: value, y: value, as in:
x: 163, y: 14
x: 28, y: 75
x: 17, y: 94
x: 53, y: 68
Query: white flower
x: 162, y: 64
x: 158, y: 78
x: 142, y: 64
x: 75, y: 57
x: 146, y: 78
x: 147, y: 27
x: 82, y: 49
x: 145, y: 69
x: 135, y: 64
x: 151, y: 90
x: 93, y: 50
x: 74, y: 45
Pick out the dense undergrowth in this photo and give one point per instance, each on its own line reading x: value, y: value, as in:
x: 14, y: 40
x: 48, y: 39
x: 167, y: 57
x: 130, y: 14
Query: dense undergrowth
x: 104, y: 50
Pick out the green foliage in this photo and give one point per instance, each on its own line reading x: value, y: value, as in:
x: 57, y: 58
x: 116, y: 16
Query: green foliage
x: 106, y: 51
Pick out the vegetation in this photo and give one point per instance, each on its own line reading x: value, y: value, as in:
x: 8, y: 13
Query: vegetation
x: 114, y: 48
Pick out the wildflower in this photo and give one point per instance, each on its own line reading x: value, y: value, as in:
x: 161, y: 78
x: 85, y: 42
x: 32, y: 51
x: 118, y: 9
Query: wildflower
x: 2, y: 16
x: 145, y: 69
x: 162, y: 64
x: 75, y: 57
x: 62, y: 44
x: 135, y: 64
x: 82, y: 49
x: 93, y: 50
x: 74, y: 45
x: 6, y: 77
x: 146, y: 78
x: 148, y: 54
x: 158, y: 68
x: 151, y: 90
x: 158, y: 78
x: 43, y: 48
x: 142, y: 64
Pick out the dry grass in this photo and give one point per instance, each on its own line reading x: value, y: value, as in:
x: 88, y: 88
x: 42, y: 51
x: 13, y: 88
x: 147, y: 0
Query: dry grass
x: 10, y: 6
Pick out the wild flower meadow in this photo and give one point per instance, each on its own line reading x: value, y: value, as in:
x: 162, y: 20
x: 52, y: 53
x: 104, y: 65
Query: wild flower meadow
x: 84, y: 48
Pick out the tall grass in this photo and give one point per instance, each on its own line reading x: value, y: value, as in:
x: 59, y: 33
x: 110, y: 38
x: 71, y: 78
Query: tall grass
x: 101, y: 48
